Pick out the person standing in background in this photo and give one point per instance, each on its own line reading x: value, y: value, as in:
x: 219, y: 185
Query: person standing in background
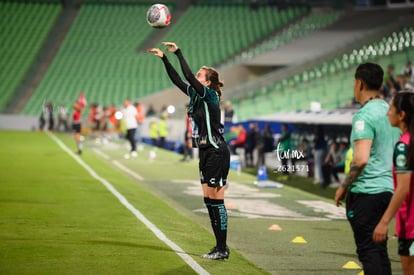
x: 130, y: 117
x: 229, y: 117
x: 187, y: 146
x: 401, y: 115
x: 77, y: 125
x: 319, y: 150
x: 140, y: 120
x: 62, y: 118
x: 284, y: 147
x: 252, y: 140
x: 266, y: 144
x: 51, y: 116
x: 368, y: 185
x: 163, y: 131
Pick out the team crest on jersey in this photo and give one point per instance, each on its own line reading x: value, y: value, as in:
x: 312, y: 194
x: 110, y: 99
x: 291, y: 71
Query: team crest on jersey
x: 401, y: 161
x: 359, y: 126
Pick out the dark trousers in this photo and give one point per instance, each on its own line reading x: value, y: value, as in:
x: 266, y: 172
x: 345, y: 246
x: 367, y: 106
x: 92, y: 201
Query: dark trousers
x: 130, y: 136
x: 248, y: 156
x: 364, y: 212
x: 328, y: 170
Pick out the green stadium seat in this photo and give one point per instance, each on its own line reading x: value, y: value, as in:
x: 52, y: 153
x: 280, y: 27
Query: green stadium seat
x: 21, y: 39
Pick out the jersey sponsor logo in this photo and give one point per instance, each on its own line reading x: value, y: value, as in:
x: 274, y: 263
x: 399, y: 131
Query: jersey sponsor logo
x: 359, y: 125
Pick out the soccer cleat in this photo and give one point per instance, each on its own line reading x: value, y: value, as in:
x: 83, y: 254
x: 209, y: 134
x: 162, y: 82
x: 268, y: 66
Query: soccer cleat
x: 134, y: 154
x: 205, y: 256
x: 216, y: 254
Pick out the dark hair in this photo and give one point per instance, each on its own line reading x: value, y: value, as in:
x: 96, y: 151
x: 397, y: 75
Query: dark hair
x: 213, y: 76
x: 404, y: 102
x: 371, y: 75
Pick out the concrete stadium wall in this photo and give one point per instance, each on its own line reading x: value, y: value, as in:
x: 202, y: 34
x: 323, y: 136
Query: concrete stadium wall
x: 18, y: 122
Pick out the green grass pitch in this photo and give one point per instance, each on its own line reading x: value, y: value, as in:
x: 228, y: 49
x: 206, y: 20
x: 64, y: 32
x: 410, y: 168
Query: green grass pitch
x: 58, y: 219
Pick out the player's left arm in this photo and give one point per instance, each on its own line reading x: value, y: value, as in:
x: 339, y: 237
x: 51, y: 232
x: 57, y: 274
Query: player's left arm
x: 188, y: 74
x: 362, y: 149
x: 400, y: 194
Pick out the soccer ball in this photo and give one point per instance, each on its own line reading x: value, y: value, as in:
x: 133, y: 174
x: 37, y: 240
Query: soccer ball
x: 158, y: 16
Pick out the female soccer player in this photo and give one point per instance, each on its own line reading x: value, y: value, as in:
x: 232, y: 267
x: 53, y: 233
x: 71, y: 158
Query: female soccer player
x: 401, y: 115
x: 207, y: 135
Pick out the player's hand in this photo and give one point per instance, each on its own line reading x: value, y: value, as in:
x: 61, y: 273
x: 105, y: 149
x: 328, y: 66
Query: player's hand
x: 170, y: 46
x: 340, y: 195
x: 380, y: 232
x: 156, y: 51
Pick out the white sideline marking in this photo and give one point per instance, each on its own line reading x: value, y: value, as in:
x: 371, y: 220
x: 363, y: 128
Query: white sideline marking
x: 160, y: 235
x: 126, y: 170
x: 101, y: 154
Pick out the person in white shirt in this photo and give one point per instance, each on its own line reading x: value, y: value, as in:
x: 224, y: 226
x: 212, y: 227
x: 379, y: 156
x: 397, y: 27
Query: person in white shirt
x: 130, y: 117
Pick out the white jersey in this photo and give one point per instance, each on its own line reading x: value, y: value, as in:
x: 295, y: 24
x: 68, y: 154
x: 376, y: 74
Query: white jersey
x: 130, y: 116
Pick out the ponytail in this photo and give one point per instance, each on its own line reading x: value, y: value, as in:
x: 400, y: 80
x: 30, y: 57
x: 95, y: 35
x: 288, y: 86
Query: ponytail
x: 213, y: 76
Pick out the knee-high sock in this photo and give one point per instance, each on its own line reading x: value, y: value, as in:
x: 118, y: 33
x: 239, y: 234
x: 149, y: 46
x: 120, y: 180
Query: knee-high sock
x: 79, y: 145
x: 213, y: 219
x: 220, y: 212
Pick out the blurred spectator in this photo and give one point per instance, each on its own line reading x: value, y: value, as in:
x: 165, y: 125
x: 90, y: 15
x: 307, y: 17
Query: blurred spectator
x: 112, y: 125
x: 408, y: 73
x: 340, y: 165
x: 151, y: 111
x: 62, y: 118
x: 319, y: 149
x: 306, y: 150
x: 51, y: 116
x: 140, y: 120
x: 240, y: 140
x: 265, y: 145
x: 163, y: 130
x: 98, y: 118
x: 391, y: 85
x: 187, y: 146
x: 130, y: 117
x: 91, y: 116
x: 77, y: 125
x: 154, y: 132
x: 229, y: 117
x: 335, y: 156
x: 42, y: 118
x: 93, y: 110
x: 285, y: 146
x: 252, y: 138
x: 164, y: 112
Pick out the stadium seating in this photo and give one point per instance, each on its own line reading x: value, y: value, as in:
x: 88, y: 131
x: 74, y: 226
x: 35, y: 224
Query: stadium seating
x: 98, y: 57
x: 24, y: 29
x: 330, y: 83
x: 312, y: 22
x: 99, y: 54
